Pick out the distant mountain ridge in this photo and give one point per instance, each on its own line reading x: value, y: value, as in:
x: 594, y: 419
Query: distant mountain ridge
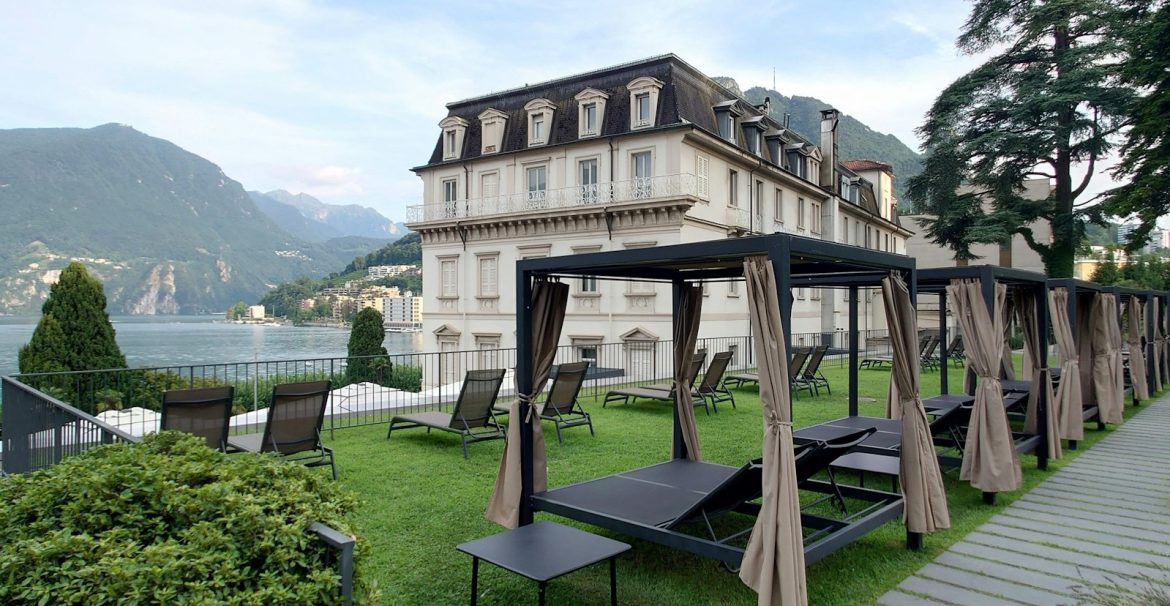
x: 311, y: 219
x: 855, y: 140
x: 166, y: 230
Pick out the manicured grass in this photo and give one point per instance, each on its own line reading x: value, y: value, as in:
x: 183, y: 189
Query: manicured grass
x: 421, y: 499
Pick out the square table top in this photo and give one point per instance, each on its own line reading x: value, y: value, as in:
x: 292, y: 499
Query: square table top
x: 544, y: 550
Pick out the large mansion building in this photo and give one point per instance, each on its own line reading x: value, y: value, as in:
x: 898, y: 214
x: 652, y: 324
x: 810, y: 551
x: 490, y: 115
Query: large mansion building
x: 648, y: 153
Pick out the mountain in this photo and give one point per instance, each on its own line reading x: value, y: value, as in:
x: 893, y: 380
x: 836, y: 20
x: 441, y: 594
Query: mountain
x: 855, y: 140
x: 166, y: 230
x: 317, y: 221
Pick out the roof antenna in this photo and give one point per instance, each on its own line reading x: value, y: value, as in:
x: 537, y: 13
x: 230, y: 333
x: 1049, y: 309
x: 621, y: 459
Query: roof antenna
x: 773, y: 78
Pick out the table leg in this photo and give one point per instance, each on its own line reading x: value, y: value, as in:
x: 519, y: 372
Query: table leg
x: 613, y: 581
x: 474, y: 579
x: 543, y: 585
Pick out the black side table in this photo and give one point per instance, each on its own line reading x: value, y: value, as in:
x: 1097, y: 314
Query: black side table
x: 542, y: 552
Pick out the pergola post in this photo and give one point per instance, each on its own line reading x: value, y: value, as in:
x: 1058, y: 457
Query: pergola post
x: 1147, y: 306
x: 677, y: 286
x: 1042, y: 393
x: 853, y: 338
x: 944, y: 362
x: 524, y: 364
x: 780, y: 254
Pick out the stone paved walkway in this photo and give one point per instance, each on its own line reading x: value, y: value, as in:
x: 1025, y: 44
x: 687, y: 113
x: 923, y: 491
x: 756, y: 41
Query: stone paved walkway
x: 1103, y: 517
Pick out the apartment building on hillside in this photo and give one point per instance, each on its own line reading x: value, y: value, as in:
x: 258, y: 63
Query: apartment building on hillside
x: 644, y: 154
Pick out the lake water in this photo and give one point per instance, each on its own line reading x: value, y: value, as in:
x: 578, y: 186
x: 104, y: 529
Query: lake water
x: 183, y: 340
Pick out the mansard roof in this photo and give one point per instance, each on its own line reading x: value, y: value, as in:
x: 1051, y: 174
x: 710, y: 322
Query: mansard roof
x: 687, y: 99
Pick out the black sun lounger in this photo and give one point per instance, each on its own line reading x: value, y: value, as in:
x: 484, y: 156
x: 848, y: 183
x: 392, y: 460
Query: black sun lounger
x: 659, y: 392
x: 473, y: 418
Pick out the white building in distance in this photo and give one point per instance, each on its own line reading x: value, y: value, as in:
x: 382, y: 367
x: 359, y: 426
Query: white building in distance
x: 649, y: 153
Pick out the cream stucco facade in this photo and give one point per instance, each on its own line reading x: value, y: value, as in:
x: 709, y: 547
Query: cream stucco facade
x: 639, y: 185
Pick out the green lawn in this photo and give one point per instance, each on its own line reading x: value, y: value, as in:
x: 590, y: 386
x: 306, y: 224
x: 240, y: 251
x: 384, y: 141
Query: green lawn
x: 421, y: 499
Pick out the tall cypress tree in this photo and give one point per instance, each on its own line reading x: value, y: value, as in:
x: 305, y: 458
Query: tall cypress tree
x: 365, y: 340
x: 74, y: 332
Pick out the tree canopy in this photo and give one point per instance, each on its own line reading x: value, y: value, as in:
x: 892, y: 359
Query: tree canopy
x: 74, y: 332
x: 1145, y: 158
x: 1047, y: 99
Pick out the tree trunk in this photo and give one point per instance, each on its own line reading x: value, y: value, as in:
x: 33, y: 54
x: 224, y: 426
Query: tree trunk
x: 1059, y: 261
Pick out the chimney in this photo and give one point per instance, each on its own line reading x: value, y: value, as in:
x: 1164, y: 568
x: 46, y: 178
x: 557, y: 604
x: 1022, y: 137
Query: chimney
x: 828, y: 148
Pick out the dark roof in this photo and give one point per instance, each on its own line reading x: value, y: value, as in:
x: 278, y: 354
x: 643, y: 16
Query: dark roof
x: 860, y: 165
x: 687, y: 97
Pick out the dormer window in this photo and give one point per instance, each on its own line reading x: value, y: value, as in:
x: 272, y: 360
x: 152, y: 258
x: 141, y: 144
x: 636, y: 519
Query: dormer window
x: 726, y: 117
x: 492, y: 123
x: 453, y: 131
x: 775, y: 142
x: 540, y: 115
x: 591, y: 109
x: 643, y: 101
x: 753, y: 131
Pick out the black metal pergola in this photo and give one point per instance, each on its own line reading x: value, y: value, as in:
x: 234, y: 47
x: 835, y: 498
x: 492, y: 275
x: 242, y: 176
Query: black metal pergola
x: 935, y: 280
x: 796, y: 261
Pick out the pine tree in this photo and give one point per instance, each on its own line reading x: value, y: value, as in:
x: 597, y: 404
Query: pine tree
x: 1049, y: 100
x: 365, y: 342
x: 1145, y: 158
x: 74, y: 332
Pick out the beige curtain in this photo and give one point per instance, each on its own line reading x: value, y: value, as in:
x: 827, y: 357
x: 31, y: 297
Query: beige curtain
x: 686, y: 335
x: 1036, y: 360
x: 990, y: 461
x: 1164, y: 330
x: 1066, y: 406
x: 1106, y: 360
x: 922, y: 483
x: 773, y: 562
x: 548, y: 316
x: 1008, y: 364
x: 1137, y: 357
x: 1159, y: 341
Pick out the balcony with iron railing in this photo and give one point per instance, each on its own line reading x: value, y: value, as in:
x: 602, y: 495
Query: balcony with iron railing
x: 632, y: 191
x: 742, y: 220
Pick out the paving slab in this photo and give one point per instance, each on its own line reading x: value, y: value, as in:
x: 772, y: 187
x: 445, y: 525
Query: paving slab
x: 1102, y: 519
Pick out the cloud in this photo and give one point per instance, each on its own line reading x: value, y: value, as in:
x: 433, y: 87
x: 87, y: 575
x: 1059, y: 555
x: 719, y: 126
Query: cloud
x: 340, y: 99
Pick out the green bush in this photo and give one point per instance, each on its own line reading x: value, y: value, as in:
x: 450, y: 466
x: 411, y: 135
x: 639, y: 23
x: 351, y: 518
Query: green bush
x: 256, y: 393
x: 404, y: 377
x: 169, y: 521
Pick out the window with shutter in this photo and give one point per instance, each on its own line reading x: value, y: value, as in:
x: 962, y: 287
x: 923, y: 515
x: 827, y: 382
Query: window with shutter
x: 489, y: 276
x: 450, y: 275
x: 703, y: 176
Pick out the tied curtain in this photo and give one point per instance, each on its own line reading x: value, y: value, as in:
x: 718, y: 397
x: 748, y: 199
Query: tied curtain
x: 686, y: 336
x: 1085, y: 303
x: 1036, y: 367
x: 1108, y: 381
x: 773, y: 562
x: 1066, y: 406
x: 922, y: 483
x: 548, y: 316
x: 1137, y: 357
x: 990, y: 461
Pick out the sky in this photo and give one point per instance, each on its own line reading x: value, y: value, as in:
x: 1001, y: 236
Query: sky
x: 340, y: 99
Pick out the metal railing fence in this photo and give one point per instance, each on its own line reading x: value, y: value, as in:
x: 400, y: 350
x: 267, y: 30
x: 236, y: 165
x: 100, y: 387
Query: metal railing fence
x: 371, y: 390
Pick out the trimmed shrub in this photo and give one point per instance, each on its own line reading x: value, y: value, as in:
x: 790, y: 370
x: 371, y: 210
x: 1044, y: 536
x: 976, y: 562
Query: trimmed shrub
x: 404, y: 377
x: 365, y: 349
x: 169, y: 521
